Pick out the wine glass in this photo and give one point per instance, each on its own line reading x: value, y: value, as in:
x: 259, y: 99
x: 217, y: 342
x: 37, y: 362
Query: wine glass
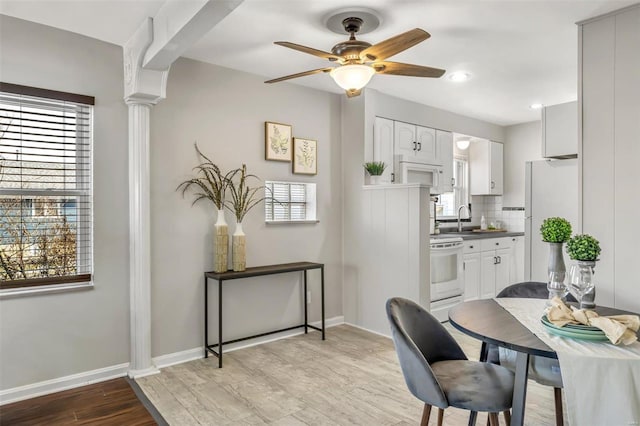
x: 581, y: 281
x: 556, y: 285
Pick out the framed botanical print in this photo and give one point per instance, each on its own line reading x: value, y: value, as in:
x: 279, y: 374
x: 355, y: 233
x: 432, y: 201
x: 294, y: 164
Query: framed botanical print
x: 305, y: 156
x: 277, y: 141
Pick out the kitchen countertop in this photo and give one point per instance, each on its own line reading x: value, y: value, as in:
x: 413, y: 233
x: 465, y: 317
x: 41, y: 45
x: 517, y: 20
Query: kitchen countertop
x: 470, y: 235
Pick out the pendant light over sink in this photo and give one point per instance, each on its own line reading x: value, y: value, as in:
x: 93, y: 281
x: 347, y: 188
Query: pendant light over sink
x: 358, y: 61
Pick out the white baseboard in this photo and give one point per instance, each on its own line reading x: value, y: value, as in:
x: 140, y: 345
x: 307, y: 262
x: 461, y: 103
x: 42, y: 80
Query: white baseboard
x: 63, y: 383
x: 388, y: 336
x: 167, y: 360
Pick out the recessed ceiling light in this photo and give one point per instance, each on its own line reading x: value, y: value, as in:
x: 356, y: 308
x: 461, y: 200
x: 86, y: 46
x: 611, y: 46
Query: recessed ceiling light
x: 536, y: 106
x: 459, y: 76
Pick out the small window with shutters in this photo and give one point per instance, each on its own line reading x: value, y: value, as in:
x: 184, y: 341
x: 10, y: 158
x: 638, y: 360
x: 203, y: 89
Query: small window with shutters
x: 45, y: 188
x: 290, y: 202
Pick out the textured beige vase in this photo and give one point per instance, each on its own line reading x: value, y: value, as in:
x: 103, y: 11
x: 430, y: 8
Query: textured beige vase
x: 239, y: 252
x: 221, y: 244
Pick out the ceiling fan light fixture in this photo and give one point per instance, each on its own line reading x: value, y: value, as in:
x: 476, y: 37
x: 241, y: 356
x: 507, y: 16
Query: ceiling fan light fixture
x: 352, y: 77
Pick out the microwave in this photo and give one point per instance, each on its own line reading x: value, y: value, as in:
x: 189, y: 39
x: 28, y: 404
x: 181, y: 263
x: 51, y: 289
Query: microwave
x: 413, y: 172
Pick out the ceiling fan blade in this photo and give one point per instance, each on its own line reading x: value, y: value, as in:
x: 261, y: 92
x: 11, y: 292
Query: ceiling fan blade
x: 352, y: 93
x: 398, y: 68
x: 394, y: 45
x: 310, y: 51
x: 300, y: 74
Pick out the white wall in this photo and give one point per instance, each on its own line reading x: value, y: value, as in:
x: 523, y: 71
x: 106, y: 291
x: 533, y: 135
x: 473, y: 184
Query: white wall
x: 49, y: 336
x: 522, y: 143
x: 224, y: 111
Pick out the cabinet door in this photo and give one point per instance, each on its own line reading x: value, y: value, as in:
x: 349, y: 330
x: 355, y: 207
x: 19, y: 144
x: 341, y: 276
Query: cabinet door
x: 496, y: 169
x: 503, y: 269
x: 445, y: 157
x: 427, y: 151
x: 488, y: 274
x: 560, y: 130
x: 479, y: 162
x: 383, y: 146
x: 405, y: 138
x: 516, y: 273
x: 471, y: 265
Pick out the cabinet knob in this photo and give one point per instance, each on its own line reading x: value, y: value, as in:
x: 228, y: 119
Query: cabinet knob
x: 419, y: 146
x: 497, y: 244
x: 470, y: 246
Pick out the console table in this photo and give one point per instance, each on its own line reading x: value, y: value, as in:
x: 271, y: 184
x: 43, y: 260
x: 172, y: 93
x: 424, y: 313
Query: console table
x: 256, y: 272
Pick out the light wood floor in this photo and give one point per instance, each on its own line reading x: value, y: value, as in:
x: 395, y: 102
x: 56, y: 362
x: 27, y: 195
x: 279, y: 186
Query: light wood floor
x: 352, y: 378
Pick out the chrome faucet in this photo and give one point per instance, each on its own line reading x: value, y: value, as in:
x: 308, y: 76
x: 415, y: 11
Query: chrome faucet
x: 459, y: 222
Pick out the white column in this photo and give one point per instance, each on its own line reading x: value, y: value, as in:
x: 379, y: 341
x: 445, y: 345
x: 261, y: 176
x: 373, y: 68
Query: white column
x: 143, y: 89
x: 139, y: 239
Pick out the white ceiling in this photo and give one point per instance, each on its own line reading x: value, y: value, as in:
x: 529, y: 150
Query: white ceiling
x: 518, y: 52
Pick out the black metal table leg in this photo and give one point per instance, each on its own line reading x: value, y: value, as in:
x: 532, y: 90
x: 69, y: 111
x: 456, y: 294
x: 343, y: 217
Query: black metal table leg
x: 219, y: 323
x: 520, y: 388
x: 306, y: 320
x: 206, y: 319
x: 322, y: 296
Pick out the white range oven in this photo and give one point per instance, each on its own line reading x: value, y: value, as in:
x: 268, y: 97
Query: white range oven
x: 447, y: 281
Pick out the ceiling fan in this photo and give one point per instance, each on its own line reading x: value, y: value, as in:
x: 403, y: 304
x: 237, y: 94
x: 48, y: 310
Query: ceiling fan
x: 359, y: 61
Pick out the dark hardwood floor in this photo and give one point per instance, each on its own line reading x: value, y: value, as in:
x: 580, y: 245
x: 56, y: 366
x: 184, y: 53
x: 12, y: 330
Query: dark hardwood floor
x: 107, y: 403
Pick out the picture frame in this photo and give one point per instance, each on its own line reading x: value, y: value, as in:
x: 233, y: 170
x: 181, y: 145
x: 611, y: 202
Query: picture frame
x: 277, y: 141
x: 305, y: 156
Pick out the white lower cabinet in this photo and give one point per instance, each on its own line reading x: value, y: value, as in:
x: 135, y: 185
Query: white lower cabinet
x: 490, y: 265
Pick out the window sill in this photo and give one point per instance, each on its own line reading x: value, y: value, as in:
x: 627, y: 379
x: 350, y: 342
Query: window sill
x: 290, y: 222
x: 45, y: 289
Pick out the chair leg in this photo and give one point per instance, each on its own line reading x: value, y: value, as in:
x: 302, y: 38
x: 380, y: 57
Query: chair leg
x: 557, y: 393
x: 472, y: 418
x: 440, y: 416
x: 507, y: 416
x: 493, y: 419
x: 426, y: 412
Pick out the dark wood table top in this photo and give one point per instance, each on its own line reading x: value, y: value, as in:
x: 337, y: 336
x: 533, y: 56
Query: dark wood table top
x: 257, y: 271
x: 486, y: 320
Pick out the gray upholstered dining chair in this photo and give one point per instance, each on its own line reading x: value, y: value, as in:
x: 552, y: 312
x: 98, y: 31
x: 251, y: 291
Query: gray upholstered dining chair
x: 545, y: 371
x: 437, y: 371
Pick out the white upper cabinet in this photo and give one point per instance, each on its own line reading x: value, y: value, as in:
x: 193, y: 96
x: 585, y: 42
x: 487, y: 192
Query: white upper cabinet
x: 560, y: 131
x: 383, y: 146
x: 415, y: 141
x: 486, y: 167
x: 445, y: 157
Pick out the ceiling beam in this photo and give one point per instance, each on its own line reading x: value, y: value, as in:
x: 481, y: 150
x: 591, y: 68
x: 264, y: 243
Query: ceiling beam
x: 179, y: 24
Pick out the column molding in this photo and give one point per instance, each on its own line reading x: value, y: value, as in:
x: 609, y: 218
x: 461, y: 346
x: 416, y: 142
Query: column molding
x: 143, y: 89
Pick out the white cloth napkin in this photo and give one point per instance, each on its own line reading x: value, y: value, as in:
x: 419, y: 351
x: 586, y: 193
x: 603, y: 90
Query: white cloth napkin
x: 617, y: 328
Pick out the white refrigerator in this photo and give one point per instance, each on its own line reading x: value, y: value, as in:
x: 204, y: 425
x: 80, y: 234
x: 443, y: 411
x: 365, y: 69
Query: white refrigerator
x: 551, y: 190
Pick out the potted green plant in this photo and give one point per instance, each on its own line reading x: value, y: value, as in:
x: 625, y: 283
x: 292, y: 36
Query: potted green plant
x: 556, y: 231
x: 375, y: 170
x: 242, y: 199
x: 211, y: 184
x: 584, y: 249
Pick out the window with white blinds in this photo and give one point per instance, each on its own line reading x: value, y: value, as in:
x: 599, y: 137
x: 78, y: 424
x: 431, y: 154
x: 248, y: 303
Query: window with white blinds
x: 289, y: 202
x: 45, y: 187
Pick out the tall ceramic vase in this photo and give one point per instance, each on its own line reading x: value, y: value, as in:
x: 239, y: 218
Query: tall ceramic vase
x: 557, y: 271
x: 239, y: 252
x: 221, y: 244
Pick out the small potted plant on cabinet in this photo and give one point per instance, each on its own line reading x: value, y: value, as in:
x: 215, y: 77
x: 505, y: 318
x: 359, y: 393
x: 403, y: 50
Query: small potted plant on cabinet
x: 375, y: 170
